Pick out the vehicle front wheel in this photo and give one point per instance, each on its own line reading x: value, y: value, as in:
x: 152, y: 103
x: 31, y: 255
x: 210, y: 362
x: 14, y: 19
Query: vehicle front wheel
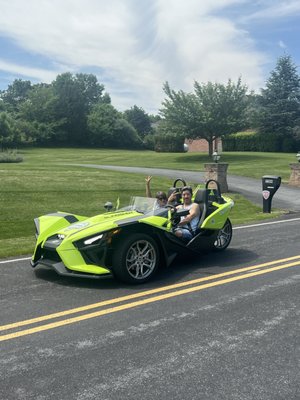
x: 224, y: 237
x: 136, y: 259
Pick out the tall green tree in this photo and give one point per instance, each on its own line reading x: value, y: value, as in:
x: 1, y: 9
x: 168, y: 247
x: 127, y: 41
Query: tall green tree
x: 280, y: 102
x: 16, y: 94
x: 108, y: 128
x: 212, y: 111
x: 39, y: 113
x: 76, y: 95
x: 6, y: 130
x: 140, y: 120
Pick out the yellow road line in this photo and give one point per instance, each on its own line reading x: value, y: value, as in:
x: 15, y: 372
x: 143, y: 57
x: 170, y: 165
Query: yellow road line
x: 140, y: 294
x: 141, y: 302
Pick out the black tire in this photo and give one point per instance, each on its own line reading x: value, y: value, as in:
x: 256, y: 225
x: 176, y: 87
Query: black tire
x: 136, y: 259
x: 224, y: 237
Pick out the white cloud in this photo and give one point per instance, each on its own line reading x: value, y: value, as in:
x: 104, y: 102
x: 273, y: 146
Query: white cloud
x: 281, y: 44
x: 36, y: 73
x: 137, y: 44
x: 273, y: 9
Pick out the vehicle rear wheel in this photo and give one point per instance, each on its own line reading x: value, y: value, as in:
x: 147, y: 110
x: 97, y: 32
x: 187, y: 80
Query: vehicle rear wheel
x: 136, y: 259
x: 224, y: 237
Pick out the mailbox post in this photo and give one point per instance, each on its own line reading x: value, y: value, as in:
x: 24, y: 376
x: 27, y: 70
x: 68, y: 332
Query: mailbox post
x: 270, y: 185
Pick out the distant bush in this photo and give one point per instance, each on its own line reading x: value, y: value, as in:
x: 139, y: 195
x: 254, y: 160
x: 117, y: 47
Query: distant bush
x: 149, y: 142
x: 10, y: 156
x: 254, y: 141
x: 169, y: 143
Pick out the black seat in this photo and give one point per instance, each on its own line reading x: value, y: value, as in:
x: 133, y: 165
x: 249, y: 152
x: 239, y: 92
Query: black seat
x: 214, y: 196
x: 201, y: 198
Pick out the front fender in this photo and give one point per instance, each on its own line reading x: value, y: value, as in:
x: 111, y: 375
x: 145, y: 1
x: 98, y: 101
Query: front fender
x: 51, y: 223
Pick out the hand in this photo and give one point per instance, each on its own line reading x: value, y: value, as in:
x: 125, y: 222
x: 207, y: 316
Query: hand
x: 148, y: 179
x: 173, y: 196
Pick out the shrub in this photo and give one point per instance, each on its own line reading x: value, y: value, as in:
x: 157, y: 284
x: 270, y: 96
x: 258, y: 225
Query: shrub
x: 169, y: 143
x: 149, y: 142
x: 255, y: 141
x: 10, y: 156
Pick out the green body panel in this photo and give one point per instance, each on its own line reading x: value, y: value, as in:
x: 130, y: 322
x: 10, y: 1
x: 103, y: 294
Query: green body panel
x: 217, y: 219
x: 74, y: 261
x: 52, y: 223
x: 57, y: 224
x: 155, y: 221
x: 71, y: 257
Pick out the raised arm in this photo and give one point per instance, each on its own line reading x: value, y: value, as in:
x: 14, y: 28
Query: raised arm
x: 148, y: 190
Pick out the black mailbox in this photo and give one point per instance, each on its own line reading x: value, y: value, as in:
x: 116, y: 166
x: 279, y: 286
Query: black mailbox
x: 270, y: 185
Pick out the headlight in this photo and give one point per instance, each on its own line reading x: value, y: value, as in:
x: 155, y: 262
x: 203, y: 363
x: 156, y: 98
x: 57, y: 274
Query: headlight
x: 92, y: 240
x: 54, y: 241
x: 95, y: 240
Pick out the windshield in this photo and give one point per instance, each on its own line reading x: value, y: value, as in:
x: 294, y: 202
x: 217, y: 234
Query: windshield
x: 143, y: 205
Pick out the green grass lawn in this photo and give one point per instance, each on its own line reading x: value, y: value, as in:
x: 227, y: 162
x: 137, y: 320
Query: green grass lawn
x: 44, y: 183
x: 240, y: 163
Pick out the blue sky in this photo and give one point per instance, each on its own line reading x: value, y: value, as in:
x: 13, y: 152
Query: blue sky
x: 134, y: 46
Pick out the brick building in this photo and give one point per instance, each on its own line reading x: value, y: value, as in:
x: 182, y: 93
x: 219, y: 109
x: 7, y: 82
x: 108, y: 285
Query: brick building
x: 201, y: 145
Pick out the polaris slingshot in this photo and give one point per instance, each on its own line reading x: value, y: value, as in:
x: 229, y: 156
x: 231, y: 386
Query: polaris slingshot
x: 132, y: 242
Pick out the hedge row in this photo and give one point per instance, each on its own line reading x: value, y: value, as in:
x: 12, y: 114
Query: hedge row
x: 253, y: 141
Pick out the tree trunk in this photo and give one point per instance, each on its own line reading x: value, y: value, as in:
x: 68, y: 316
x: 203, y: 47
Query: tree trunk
x: 210, y: 147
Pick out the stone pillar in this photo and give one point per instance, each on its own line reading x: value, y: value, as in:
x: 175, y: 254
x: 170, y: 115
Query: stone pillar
x: 218, y: 172
x: 295, y: 174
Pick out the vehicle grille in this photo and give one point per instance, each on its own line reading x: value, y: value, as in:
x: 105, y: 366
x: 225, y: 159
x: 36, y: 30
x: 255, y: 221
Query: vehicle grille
x: 50, y: 255
x: 95, y: 256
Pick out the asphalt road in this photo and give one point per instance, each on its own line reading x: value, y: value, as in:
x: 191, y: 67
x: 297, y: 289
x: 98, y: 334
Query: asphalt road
x: 228, y: 328
x: 286, y: 198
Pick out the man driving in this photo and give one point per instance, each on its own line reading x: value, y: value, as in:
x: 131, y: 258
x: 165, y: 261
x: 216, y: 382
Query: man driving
x: 188, y: 224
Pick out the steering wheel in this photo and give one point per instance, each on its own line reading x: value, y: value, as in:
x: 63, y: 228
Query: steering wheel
x: 175, y: 219
x: 171, y: 206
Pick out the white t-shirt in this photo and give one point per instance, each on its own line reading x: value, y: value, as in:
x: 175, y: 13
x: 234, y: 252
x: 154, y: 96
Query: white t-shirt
x: 194, y: 222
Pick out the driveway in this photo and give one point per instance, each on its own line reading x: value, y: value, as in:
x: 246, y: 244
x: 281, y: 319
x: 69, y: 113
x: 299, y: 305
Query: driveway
x: 287, y: 197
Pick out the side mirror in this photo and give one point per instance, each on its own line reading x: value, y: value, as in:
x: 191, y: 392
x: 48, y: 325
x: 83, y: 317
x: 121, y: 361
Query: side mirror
x: 108, y: 206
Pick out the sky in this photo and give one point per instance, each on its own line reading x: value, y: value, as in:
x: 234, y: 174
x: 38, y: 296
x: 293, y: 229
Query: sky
x: 134, y: 46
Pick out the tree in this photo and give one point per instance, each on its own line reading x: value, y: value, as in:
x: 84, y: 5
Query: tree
x: 53, y: 113
x: 140, y: 120
x: 2, y: 104
x: 213, y: 111
x: 107, y: 128
x: 253, y: 110
x: 280, y: 102
x: 76, y: 95
x: 15, y: 94
x: 6, y: 131
x: 39, y: 113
